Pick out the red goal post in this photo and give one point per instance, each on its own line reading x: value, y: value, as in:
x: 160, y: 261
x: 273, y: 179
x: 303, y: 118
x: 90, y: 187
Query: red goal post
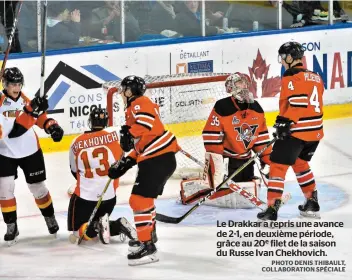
x: 185, y: 102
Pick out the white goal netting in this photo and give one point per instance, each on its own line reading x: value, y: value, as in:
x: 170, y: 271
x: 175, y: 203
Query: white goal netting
x: 185, y: 101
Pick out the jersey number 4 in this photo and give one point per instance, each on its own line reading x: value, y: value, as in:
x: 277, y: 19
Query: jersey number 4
x: 313, y: 100
x: 103, y: 156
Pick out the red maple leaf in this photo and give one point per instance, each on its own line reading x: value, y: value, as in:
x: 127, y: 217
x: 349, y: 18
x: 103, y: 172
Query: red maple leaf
x: 259, y: 70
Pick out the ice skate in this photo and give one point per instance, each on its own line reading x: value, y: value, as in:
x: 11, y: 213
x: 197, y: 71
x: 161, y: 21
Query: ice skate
x: 103, y: 229
x: 310, y: 208
x: 134, y: 244
x: 126, y: 229
x: 146, y: 253
x: 270, y: 213
x: 11, y: 234
x: 52, y: 224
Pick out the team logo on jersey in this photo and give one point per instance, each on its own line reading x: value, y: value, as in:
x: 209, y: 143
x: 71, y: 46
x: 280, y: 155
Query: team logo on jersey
x: 246, y: 133
x: 6, y: 102
x: 235, y: 120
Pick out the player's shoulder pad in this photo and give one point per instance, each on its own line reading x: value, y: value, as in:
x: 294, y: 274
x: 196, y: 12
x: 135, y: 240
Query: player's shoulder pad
x: 255, y: 106
x: 225, y: 107
x: 294, y: 71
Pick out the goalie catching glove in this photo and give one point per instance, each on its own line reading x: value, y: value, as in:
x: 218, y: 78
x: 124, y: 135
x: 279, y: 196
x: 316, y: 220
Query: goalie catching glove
x: 119, y: 169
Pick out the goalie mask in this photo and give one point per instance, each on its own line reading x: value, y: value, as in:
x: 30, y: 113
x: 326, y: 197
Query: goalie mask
x: 98, y: 119
x: 238, y: 85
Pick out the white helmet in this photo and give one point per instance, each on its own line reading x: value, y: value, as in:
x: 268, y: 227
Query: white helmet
x: 238, y: 85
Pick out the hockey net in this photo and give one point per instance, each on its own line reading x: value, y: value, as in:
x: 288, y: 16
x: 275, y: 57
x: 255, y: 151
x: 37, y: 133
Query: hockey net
x: 185, y: 102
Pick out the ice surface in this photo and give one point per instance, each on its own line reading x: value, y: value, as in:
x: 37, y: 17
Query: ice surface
x: 187, y: 250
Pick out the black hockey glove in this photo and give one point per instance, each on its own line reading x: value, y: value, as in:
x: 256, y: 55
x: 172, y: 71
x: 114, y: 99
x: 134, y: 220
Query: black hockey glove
x: 282, y: 126
x: 126, y: 139
x: 117, y: 170
x: 37, y: 106
x: 51, y: 127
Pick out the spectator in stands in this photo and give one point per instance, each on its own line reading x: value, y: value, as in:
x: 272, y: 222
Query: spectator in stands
x: 141, y: 11
x: 85, y: 7
x: 105, y: 21
x: 27, y: 24
x: 188, y: 21
x: 63, y: 27
x: 8, y: 11
x: 303, y: 12
x: 162, y: 17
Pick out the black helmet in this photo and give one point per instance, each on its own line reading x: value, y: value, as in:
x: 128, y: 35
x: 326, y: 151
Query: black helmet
x: 293, y: 48
x: 135, y: 83
x: 13, y: 75
x: 98, y: 118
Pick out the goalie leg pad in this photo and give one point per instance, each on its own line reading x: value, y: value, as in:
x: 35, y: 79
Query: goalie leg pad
x: 194, y: 189
x: 214, y: 169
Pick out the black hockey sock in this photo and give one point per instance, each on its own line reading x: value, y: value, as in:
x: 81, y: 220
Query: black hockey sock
x: 10, y: 217
x: 48, y: 211
x: 115, y: 228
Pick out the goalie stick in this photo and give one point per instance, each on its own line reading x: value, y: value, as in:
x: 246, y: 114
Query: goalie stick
x: 176, y: 220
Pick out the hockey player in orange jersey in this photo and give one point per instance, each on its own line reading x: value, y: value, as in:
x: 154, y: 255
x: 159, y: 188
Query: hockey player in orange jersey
x: 153, y: 150
x: 24, y: 152
x: 91, y: 155
x: 299, y: 127
x: 234, y: 128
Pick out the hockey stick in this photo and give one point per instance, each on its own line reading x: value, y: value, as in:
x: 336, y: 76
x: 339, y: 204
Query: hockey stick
x: 94, y: 211
x: 176, y: 220
x: 9, y: 44
x: 98, y: 204
x: 43, y: 49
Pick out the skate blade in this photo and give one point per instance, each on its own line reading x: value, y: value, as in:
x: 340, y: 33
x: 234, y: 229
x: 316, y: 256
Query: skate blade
x: 145, y: 260
x: 310, y: 214
x: 12, y: 242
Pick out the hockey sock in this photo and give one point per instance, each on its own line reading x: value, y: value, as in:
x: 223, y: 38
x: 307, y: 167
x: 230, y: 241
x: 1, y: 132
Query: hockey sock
x: 45, y: 205
x: 276, y: 182
x: 8, y: 209
x: 115, y: 228
x: 305, y: 177
x: 143, y: 208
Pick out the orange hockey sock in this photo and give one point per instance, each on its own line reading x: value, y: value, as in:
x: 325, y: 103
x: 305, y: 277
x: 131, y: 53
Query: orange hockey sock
x: 143, y: 209
x: 276, y: 182
x: 305, y: 177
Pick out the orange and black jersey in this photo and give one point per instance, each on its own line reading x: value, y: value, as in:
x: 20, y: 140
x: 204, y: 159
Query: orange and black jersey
x: 301, y: 101
x: 234, y: 128
x: 150, y: 137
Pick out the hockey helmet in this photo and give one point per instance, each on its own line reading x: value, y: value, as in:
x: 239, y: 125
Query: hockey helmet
x: 12, y: 75
x: 135, y: 84
x: 98, y: 118
x: 294, y: 49
x: 238, y: 85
